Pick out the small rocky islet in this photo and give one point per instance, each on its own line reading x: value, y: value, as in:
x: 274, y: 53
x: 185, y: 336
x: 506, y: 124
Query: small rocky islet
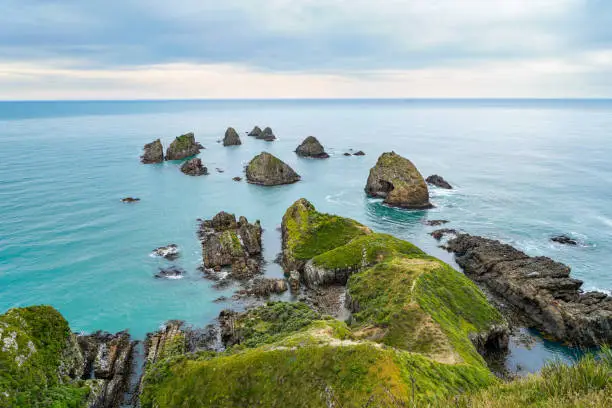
x: 268, y: 170
x: 311, y: 147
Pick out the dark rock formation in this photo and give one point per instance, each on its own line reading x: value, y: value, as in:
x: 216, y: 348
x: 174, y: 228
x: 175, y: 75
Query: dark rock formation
x: 439, y: 234
x: 153, y: 153
x: 539, y: 287
x: 130, y: 200
x: 311, y: 147
x: 264, y: 287
x: 226, y: 242
x: 359, y: 153
x: 219, y: 170
x: 267, y: 135
x: 267, y: 170
x: 398, y: 181
x: 237, y: 178
x: 170, y: 251
x: 231, y: 137
x: 347, y: 154
x: 564, y: 239
x: 435, y: 223
x: 107, y: 358
x: 194, y: 167
x: 172, y: 272
x: 257, y: 132
x: 182, y: 147
x: 438, y: 181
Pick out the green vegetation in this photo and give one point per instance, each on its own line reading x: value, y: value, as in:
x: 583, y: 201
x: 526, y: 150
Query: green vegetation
x: 183, y: 142
x: 229, y: 239
x: 37, y: 353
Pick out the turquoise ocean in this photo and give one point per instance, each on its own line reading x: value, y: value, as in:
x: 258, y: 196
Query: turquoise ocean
x: 523, y: 170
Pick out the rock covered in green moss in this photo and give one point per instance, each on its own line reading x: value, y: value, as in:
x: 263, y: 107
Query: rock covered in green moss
x: 153, y: 153
x: 311, y: 147
x: 398, y: 181
x: 231, y: 137
x: 268, y: 170
x: 182, y: 147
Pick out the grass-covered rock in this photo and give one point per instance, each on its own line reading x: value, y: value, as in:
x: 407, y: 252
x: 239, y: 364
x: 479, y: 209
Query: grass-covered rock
x: 39, y: 356
x: 268, y: 170
x: 182, y: 147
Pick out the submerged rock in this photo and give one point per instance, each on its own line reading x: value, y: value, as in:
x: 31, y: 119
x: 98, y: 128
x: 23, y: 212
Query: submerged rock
x: 311, y: 147
x: 398, y: 181
x: 267, y: 170
x: 347, y: 154
x: 438, y: 181
x: 182, y: 147
x: 226, y: 242
x: 153, y: 153
x: 194, y: 167
x: 441, y: 233
x: 231, y: 137
x: 130, y: 200
x: 170, y: 273
x: 257, y: 132
x: 564, y: 239
x: 359, y: 153
x: 539, y: 287
x: 237, y: 178
x: 170, y: 251
x: 435, y: 223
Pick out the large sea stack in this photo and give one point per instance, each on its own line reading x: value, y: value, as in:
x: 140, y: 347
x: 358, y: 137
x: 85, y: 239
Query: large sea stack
x: 311, y: 147
x: 231, y: 138
x: 153, y: 153
x: 398, y: 181
x: 268, y: 170
x: 182, y: 147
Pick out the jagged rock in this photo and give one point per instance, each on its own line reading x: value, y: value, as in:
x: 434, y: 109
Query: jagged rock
x: 564, y: 239
x: 435, y: 223
x: 194, y: 167
x: 226, y: 242
x: 264, y: 287
x: 311, y: 147
x: 227, y: 322
x: 170, y: 273
x: 267, y: 170
x: 237, y: 178
x: 539, y: 287
x: 294, y: 281
x: 130, y: 200
x: 359, y: 153
x: 438, y: 181
x: 231, y: 137
x: 170, y: 251
x: 267, y: 135
x: 153, y: 153
x: 439, y: 234
x: 398, y: 181
x: 257, y: 132
x: 182, y: 147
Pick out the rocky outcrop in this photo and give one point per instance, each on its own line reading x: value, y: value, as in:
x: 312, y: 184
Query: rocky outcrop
x: 438, y: 181
x: 441, y: 233
x: 182, y: 147
x: 170, y: 251
x: 359, y: 153
x: 398, y: 181
x: 153, y: 153
x: 294, y: 281
x: 227, y: 243
x: 264, y: 287
x: 435, y: 223
x: 539, y: 287
x: 267, y: 135
x: 237, y: 178
x: 564, y: 240
x: 311, y: 147
x: 172, y: 272
x: 231, y: 138
x: 130, y: 200
x: 194, y: 167
x: 267, y: 170
x: 256, y: 132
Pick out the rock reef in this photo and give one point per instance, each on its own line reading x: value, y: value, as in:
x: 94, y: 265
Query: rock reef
x: 311, y: 147
x: 153, y: 153
x: 230, y: 243
x: 194, y: 167
x: 539, y: 287
x: 398, y: 181
x: 268, y: 170
x: 438, y: 181
x: 170, y: 251
x: 231, y: 138
x: 182, y: 147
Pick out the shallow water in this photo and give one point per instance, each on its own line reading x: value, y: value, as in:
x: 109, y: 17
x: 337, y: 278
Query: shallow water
x: 523, y: 171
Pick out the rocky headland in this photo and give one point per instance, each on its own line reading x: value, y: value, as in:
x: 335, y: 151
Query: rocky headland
x: 182, y: 147
x: 311, y: 147
x: 268, y: 170
x: 396, y: 180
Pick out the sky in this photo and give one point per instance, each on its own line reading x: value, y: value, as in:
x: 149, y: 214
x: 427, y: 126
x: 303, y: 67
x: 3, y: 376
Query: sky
x: 180, y: 49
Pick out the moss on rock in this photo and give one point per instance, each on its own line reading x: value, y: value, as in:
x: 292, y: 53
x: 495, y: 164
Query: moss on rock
x: 268, y: 170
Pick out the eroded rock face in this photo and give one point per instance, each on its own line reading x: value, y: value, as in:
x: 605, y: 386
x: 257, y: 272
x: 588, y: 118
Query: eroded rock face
x: 267, y: 170
x: 231, y: 138
x: 182, y: 147
x: 539, y: 287
x: 194, y: 167
x: 153, y: 153
x: 264, y: 287
x: 311, y: 147
x: 226, y: 242
x: 438, y: 181
x: 398, y: 181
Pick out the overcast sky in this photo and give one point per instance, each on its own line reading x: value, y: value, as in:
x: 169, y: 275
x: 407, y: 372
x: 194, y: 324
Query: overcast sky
x: 141, y: 49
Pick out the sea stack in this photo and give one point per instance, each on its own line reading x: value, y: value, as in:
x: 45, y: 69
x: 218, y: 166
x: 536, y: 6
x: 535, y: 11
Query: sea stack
x: 311, y: 147
x: 438, y: 181
x: 256, y: 132
x: 268, y: 170
x: 398, y: 181
x: 182, y: 147
x: 231, y: 138
x: 153, y: 153
x: 267, y: 135
x: 194, y: 167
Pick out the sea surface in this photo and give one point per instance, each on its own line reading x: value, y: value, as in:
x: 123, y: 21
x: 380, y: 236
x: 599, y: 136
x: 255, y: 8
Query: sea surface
x: 523, y: 171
